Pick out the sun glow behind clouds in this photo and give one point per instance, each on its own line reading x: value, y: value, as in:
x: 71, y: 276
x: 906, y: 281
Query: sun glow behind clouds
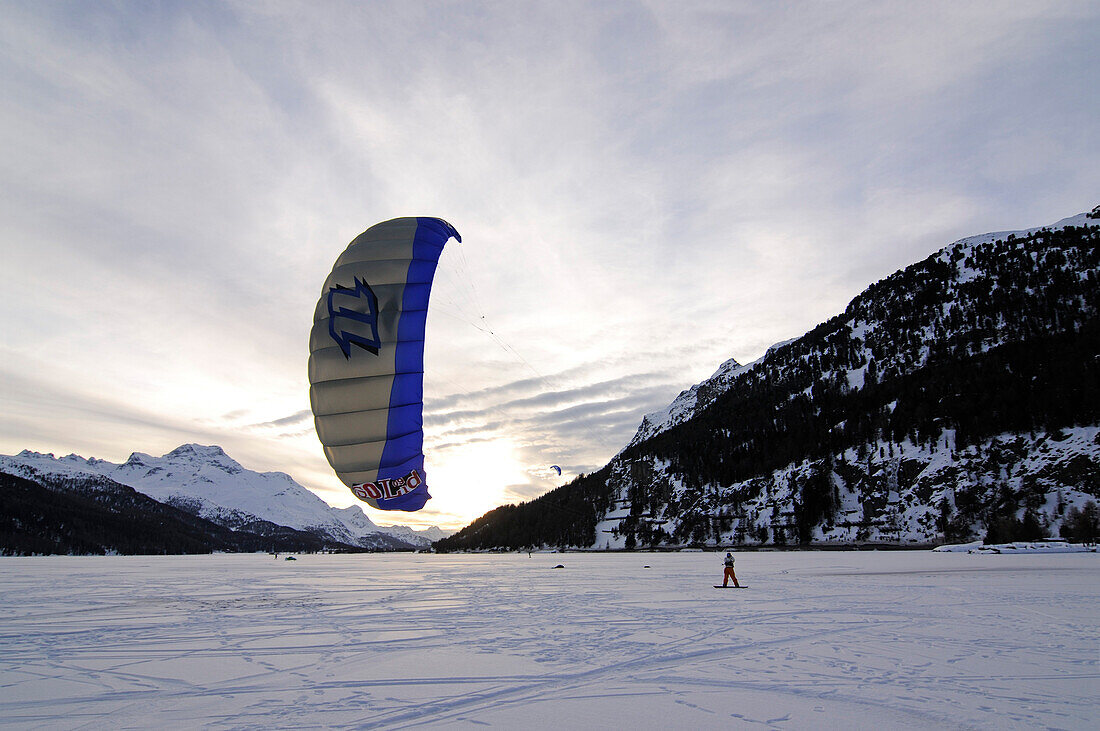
x: 473, y: 479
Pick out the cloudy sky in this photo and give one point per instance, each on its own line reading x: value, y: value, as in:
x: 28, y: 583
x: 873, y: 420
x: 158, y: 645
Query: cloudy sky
x: 644, y: 190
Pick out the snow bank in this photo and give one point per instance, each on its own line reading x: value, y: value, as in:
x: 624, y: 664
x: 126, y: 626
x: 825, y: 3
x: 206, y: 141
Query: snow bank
x: 958, y: 547
x: 1018, y: 547
x: 1021, y: 547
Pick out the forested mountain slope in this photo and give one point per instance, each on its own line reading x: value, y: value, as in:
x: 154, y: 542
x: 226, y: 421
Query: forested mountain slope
x: 956, y: 397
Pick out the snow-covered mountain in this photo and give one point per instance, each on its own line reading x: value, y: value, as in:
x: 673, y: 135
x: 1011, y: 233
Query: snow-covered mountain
x: 692, y: 401
x: 956, y: 398
x: 207, y: 482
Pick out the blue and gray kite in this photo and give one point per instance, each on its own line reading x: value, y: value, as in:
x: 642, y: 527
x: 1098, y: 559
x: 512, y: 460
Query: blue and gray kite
x: 366, y: 360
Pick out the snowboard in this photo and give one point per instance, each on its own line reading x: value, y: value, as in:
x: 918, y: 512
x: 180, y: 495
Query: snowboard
x: 719, y: 586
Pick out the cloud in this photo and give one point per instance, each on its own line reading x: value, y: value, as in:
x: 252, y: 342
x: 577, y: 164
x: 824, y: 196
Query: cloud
x: 300, y: 417
x: 644, y: 190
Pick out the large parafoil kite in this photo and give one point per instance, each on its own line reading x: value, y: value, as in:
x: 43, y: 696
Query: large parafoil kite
x: 366, y: 360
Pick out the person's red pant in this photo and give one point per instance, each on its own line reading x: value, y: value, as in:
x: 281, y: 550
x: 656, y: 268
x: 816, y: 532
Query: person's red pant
x: 729, y: 575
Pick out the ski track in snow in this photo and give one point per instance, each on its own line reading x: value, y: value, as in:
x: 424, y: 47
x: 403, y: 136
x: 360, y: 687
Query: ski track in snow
x: 820, y: 639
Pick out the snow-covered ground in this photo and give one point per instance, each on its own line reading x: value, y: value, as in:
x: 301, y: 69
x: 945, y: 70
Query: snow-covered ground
x: 818, y: 640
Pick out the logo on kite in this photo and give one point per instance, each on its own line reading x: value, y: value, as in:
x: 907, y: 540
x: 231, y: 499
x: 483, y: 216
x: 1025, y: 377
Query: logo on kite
x: 388, y: 488
x: 353, y: 317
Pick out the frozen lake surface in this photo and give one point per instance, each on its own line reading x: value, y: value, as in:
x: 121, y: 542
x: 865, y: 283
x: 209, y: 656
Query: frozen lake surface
x: 819, y: 640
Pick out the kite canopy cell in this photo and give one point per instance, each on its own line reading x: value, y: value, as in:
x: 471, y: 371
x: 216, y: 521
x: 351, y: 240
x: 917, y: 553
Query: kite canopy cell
x: 366, y: 360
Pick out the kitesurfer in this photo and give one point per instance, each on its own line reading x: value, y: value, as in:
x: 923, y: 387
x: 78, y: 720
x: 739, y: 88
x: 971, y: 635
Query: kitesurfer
x: 728, y: 574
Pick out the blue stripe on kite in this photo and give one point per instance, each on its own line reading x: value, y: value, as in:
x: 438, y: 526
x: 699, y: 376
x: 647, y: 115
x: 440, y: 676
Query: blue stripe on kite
x: 410, y: 415
x: 408, y: 359
x: 421, y: 270
x: 404, y: 449
x: 416, y: 293
x: 411, y: 327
